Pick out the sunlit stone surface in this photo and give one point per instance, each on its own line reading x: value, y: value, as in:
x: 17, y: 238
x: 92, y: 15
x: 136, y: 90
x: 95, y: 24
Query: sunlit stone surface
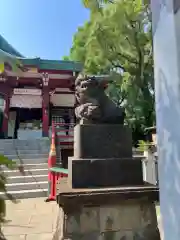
x: 166, y: 36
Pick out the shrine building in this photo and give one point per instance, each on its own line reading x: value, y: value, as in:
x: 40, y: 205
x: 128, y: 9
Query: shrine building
x: 33, y: 93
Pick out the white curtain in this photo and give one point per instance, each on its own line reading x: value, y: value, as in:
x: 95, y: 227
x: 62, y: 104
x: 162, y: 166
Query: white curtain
x: 26, y: 101
x: 2, y: 103
x: 63, y: 100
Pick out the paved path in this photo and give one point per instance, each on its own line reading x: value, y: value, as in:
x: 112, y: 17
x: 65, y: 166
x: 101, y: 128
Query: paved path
x: 30, y: 219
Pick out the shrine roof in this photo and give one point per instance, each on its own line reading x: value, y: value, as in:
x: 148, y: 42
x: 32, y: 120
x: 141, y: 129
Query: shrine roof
x: 6, y: 47
x: 42, y: 64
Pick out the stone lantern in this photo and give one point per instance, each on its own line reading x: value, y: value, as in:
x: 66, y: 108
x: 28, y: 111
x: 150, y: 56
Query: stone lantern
x: 152, y: 159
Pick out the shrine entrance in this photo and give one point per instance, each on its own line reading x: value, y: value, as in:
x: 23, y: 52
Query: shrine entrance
x: 28, y: 123
x: 25, y: 117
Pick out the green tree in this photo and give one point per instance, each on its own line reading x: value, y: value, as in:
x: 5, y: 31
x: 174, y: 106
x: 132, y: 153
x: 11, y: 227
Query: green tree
x: 66, y: 58
x: 96, y: 5
x: 117, y: 40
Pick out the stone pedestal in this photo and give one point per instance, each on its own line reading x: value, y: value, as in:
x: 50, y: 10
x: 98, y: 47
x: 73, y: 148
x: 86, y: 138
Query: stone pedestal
x: 85, y: 173
x: 104, y: 197
x: 102, y: 141
x: 103, y: 157
x: 107, y: 214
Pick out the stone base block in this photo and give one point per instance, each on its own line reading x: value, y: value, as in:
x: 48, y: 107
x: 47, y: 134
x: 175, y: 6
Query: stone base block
x: 102, y: 141
x: 133, y: 219
x: 104, y: 172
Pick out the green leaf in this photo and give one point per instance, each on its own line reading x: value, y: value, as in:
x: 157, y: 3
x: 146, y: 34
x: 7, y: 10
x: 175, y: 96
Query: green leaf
x: 7, y: 162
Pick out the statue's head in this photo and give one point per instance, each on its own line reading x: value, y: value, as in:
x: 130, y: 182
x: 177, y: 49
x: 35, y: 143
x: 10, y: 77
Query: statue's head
x: 89, y: 86
x: 93, y: 103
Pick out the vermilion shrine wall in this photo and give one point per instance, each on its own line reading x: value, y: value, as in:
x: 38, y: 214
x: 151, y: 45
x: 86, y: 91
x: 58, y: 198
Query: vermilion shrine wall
x: 7, y: 91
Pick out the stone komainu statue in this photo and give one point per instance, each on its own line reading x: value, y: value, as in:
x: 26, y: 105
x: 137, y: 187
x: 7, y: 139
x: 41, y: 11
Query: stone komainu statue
x: 93, y: 105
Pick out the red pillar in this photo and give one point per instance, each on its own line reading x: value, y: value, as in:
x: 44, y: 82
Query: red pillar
x: 45, y: 112
x: 6, y: 116
x: 6, y: 91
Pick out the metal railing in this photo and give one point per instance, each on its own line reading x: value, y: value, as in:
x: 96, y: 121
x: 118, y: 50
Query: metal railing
x: 64, y: 133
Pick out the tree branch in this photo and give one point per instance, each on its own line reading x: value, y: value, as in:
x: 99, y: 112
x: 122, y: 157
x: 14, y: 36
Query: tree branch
x: 122, y: 99
x: 127, y: 57
x: 117, y: 65
x: 140, y: 61
x: 113, y: 48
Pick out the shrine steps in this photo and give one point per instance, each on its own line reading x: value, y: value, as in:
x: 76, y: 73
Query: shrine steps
x: 33, y: 154
x: 32, y: 193
x: 33, y: 183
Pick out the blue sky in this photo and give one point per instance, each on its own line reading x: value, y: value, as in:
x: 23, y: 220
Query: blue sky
x: 42, y: 28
